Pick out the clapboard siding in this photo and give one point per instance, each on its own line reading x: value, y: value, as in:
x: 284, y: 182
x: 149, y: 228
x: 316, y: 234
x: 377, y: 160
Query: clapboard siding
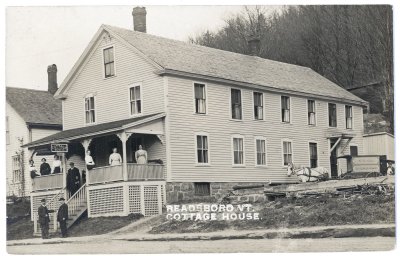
x: 19, y: 130
x: 41, y: 133
x: 112, y: 94
x: 379, y: 144
x: 217, y: 123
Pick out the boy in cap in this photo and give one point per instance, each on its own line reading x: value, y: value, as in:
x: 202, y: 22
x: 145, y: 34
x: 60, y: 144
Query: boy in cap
x: 44, y: 218
x: 62, y: 217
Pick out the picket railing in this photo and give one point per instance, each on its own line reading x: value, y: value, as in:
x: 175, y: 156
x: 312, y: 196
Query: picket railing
x: 77, y: 201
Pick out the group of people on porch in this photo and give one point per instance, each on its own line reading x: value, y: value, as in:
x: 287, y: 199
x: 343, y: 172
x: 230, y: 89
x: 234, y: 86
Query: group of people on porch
x: 116, y: 159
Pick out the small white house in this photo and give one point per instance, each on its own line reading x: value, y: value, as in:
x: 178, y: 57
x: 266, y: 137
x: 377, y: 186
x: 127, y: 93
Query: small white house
x: 381, y: 143
x: 30, y: 115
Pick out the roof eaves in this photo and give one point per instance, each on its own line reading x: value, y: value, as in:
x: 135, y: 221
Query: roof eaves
x: 261, y: 87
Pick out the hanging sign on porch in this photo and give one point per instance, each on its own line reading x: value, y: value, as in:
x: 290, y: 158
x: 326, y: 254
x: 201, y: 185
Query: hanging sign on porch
x: 59, y: 147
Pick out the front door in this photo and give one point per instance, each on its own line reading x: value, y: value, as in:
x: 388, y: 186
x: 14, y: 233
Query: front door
x: 334, y: 167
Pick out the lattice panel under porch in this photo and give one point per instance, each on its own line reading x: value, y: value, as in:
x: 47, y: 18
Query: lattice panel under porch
x: 134, y: 199
x: 106, y: 200
x: 151, y: 200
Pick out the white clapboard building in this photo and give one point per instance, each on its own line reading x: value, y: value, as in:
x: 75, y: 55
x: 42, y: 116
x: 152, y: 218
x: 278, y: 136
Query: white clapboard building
x: 208, y: 119
x: 30, y: 115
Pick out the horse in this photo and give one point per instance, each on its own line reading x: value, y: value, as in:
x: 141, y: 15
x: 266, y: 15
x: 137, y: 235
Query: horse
x: 307, y: 174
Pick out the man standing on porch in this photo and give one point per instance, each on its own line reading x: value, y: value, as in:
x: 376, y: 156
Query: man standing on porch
x: 115, y: 158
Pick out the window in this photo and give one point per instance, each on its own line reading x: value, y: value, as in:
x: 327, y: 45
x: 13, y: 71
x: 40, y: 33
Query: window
x: 200, y: 98
x: 332, y: 115
x: 311, y: 112
x: 287, y: 152
x: 349, y: 117
x: 135, y: 100
x: 108, y: 55
x: 236, y: 102
x: 313, y: 155
x: 202, y: 188
x: 261, y: 152
x: 285, y: 105
x: 238, y: 157
x: 16, y: 168
x: 353, y: 150
x: 202, y: 149
x: 258, y: 105
x: 90, y: 110
x: 7, y: 131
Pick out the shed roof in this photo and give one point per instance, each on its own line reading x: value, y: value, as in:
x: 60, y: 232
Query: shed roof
x: 34, y: 106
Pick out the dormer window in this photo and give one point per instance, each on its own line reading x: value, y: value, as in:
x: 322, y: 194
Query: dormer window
x: 108, y: 57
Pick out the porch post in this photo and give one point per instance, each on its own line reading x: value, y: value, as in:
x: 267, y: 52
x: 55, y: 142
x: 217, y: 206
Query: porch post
x: 64, y: 167
x: 86, y: 143
x: 123, y: 137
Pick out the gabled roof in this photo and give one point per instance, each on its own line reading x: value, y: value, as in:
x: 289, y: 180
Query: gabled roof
x: 172, y: 55
x: 35, y: 107
x: 82, y: 132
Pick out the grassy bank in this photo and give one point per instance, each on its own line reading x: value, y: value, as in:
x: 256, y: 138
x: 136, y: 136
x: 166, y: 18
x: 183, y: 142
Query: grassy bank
x: 23, y: 228
x: 291, y: 213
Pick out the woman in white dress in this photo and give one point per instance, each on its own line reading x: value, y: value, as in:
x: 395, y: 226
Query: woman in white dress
x: 141, y: 156
x: 115, y: 158
x: 56, y: 165
x: 89, y: 161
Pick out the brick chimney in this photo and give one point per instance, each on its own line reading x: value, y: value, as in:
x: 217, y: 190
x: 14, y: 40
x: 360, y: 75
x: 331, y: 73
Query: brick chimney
x: 52, y: 78
x: 254, y: 45
x: 139, y: 19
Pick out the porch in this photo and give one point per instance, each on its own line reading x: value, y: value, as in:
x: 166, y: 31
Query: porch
x: 107, y: 190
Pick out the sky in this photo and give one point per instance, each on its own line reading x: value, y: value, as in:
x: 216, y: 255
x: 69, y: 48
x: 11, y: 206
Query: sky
x: 39, y: 36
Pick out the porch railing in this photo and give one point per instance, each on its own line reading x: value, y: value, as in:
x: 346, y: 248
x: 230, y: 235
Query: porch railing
x: 135, y: 172
x: 52, y: 181
x: 145, y: 172
x: 105, y: 174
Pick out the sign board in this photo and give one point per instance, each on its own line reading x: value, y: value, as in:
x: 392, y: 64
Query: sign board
x: 59, y: 147
x: 366, y: 163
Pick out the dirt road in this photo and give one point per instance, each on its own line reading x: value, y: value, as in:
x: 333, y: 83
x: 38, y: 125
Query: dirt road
x: 232, y: 246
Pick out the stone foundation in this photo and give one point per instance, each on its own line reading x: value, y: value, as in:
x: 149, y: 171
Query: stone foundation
x: 184, y: 191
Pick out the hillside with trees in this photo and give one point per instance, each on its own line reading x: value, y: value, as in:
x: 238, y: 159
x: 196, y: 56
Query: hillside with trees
x: 350, y: 45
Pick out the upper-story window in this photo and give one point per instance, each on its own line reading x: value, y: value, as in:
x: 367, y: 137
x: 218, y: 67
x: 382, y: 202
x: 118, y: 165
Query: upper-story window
x: 200, y: 98
x: 332, y: 115
x: 108, y: 56
x: 285, y: 107
x: 261, y: 158
x: 349, y: 117
x: 238, y: 150
x: 202, y: 149
x: 236, y: 104
x: 258, y: 105
x: 135, y: 100
x: 287, y: 152
x: 7, y: 131
x: 90, y: 115
x: 311, y: 112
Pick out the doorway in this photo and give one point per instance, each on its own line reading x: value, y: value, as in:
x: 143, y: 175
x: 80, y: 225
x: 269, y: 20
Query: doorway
x: 334, y: 165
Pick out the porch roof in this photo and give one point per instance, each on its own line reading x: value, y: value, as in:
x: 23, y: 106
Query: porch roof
x: 82, y: 132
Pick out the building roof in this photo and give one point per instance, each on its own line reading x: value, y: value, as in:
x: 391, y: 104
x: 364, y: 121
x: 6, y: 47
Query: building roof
x: 34, y: 106
x: 82, y: 132
x: 201, y: 60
